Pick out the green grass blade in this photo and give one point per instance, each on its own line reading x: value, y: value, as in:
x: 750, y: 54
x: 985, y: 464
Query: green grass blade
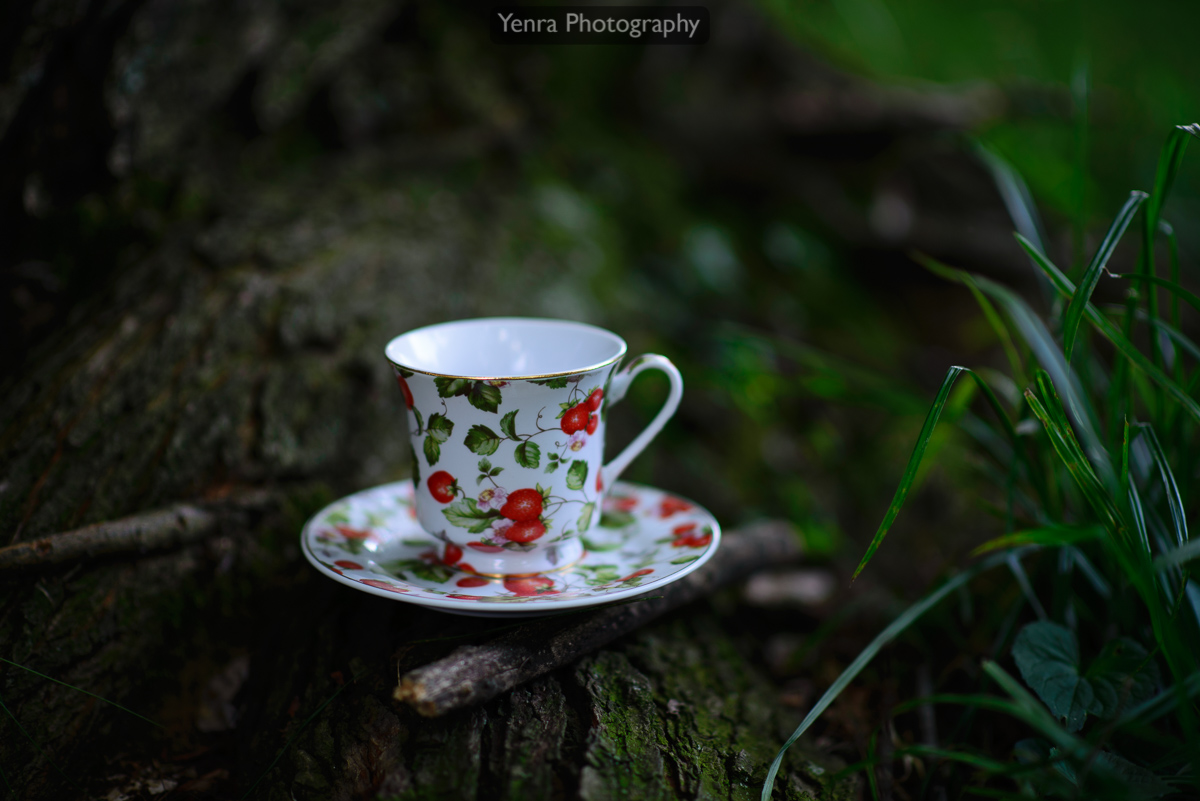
x: 1049, y: 355
x: 1174, y: 499
x: 81, y: 690
x: 1078, y: 466
x: 985, y: 305
x: 1044, y: 537
x: 1173, y: 286
x: 1019, y: 202
x: 1169, y: 161
x: 1091, y: 276
x: 1110, y: 332
x: 1178, y: 556
x: 897, y: 626
x: 914, y: 462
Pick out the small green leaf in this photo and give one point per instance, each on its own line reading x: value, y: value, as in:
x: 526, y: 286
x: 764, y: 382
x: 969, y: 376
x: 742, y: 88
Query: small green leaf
x: 552, y: 383
x: 577, y: 474
x: 1047, y: 655
x: 440, y: 426
x: 484, y: 465
x: 432, y: 450
x: 616, y: 519
x: 585, y: 516
x: 508, y: 424
x: 528, y: 454
x: 482, y: 440
x: 438, y: 574
x: 449, y: 387
x: 1091, y: 277
x: 683, y: 560
x: 484, y: 396
x: 404, y: 373
x: 420, y: 421
x: 464, y: 513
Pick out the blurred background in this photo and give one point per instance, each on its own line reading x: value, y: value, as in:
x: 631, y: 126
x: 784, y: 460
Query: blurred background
x: 213, y: 215
x: 748, y: 207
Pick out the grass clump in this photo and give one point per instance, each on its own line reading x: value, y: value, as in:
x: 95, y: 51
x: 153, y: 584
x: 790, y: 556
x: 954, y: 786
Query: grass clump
x: 1095, y: 447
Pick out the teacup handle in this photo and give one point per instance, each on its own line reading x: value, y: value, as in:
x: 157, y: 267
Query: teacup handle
x: 617, y: 389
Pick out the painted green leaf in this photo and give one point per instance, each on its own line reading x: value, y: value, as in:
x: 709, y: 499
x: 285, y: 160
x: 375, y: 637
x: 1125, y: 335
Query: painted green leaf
x: 464, y: 513
x: 420, y: 421
x: 449, y: 387
x: 683, y: 560
x: 404, y: 373
x: 616, y: 519
x: 577, y: 474
x: 433, y: 451
x: 553, y: 383
x: 585, y: 517
x: 484, y: 396
x: 528, y: 454
x: 438, y: 574
x: 508, y: 424
x: 484, y: 465
x: 440, y: 426
x: 1047, y: 655
x: 482, y: 440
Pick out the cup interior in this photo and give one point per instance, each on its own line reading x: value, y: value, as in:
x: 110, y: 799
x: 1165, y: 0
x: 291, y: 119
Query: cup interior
x: 505, y: 348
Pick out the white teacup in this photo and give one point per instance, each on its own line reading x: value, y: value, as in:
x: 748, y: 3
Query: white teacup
x: 507, y: 417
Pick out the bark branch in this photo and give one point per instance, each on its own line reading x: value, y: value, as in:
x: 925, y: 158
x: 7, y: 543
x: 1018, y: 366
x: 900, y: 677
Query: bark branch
x: 474, y: 674
x: 158, y: 530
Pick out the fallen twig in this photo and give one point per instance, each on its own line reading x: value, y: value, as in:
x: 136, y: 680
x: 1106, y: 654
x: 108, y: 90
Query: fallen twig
x: 157, y: 530
x: 474, y: 674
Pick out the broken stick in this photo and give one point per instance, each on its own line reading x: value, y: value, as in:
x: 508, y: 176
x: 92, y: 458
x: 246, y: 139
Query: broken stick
x: 474, y: 674
x: 161, y: 529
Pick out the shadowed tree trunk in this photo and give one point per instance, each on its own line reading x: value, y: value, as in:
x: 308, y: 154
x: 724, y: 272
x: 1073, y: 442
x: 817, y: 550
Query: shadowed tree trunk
x: 215, y: 216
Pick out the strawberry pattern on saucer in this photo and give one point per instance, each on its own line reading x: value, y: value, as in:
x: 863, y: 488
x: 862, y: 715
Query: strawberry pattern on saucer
x: 372, y: 541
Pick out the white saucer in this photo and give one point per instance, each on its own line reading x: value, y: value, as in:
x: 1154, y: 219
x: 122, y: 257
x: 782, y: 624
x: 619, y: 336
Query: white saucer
x: 371, y: 541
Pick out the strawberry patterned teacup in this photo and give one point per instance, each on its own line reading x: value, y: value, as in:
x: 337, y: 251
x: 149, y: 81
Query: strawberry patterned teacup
x: 506, y: 417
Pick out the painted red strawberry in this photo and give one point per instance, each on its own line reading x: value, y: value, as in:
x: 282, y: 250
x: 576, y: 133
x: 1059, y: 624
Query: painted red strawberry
x: 692, y: 540
x: 383, y: 585
x: 466, y: 568
x: 355, y: 533
x: 531, y: 585
x: 622, y: 503
x: 464, y: 597
x: 346, y: 564
x: 593, y: 400
x: 485, y: 547
x: 442, y: 486
x: 683, y: 529
x: 522, y: 505
x: 525, y: 531
x: 452, y: 554
x: 671, y: 505
x: 408, y: 398
x: 575, y: 419
x: 645, y: 571
x: 599, y: 481
x: 471, y: 581
x: 592, y: 424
